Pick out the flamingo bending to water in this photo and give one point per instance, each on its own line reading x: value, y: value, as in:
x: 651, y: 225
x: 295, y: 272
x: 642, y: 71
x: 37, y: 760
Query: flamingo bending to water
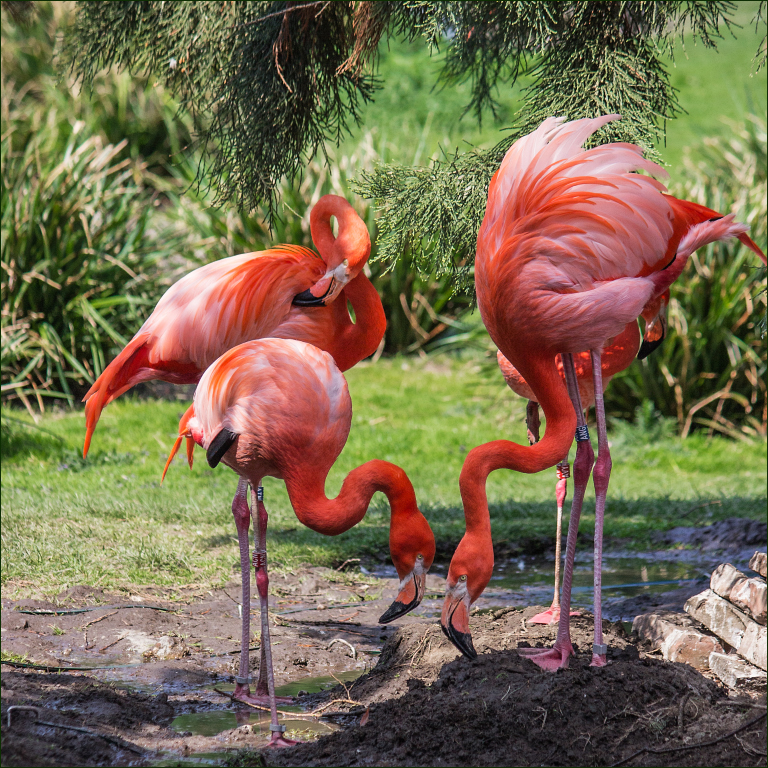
x: 573, y: 246
x: 281, y: 408
x: 285, y: 292
x: 617, y: 356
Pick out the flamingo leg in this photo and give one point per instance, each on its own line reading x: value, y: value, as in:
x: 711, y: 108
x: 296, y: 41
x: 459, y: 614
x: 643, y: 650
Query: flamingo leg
x: 242, y: 515
x: 600, y: 477
x: 557, y: 657
x: 262, y: 583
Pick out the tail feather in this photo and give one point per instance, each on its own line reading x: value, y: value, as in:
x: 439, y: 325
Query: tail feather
x: 694, y: 214
x: 183, y: 432
x: 114, y: 380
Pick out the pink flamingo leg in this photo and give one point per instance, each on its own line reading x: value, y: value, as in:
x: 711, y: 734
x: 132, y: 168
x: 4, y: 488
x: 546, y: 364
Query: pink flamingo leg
x: 557, y: 657
x: 552, y: 614
x: 600, y: 477
x: 262, y: 583
x: 242, y: 514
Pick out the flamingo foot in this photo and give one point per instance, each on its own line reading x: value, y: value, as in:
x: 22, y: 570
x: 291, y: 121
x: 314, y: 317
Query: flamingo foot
x: 278, y: 740
x: 598, y: 660
x: 550, y: 659
x: 243, y: 693
x: 550, y: 616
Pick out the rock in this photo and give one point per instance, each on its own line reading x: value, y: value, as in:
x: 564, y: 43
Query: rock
x: 677, y: 643
x: 167, y: 648
x: 753, y: 646
x: 730, y: 624
x: 750, y: 596
x: 747, y: 594
x: 735, y: 672
x: 759, y: 563
x: 309, y: 585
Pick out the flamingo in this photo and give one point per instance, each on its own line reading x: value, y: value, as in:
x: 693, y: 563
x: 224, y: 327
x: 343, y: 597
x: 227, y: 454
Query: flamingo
x: 285, y: 292
x: 281, y: 408
x: 573, y: 246
x: 615, y: 358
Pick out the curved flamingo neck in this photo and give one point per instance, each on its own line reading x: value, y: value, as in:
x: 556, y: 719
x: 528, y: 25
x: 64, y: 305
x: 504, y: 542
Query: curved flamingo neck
x: 354, y: 342
x: 353, y: 242
x: 306, y: 490
x: 551, y: 393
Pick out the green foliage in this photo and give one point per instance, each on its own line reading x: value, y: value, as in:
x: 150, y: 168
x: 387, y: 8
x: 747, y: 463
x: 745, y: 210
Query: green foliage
x: 243, y: 71
x: 74, y: 252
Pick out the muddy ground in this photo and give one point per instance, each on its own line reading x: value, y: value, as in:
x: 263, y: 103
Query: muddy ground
x: 154, y: 701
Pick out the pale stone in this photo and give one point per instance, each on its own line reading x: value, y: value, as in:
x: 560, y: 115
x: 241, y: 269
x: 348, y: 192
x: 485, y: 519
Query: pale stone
x: 750, y: 596
x: 733, y: 671
x: 747, y: 594
x: 753, y: 646
x: 727, y: 622
x: 730, y: 624
x: 675, y: 637
x: 759, y: 563
x: 724, y: 578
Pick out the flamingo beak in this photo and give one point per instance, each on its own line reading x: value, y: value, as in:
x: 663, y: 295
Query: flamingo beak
x: 412, y: 589
x: 455, y: 619
x: 326, y: 289
x: 655, y: 333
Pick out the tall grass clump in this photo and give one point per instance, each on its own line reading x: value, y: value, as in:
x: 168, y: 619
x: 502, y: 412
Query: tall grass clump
x: 710, y: 371
x: 81, y: 264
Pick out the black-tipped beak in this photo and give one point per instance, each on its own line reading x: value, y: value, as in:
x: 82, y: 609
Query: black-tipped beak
x: 308, y: 299
x: 402, y: 605
x: 647, y: 347
x: 462, y: 640
x: 456, y: 611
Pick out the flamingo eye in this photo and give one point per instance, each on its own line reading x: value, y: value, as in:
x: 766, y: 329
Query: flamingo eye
x: 463, y: 577
x: 345, y: 263
x: 419, y: 557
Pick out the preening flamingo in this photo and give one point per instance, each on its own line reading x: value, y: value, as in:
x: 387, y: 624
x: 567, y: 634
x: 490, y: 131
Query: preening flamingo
x: 573, y: 246
x: 281, y: 408
x: 617, y: 356
x: 286, y: 292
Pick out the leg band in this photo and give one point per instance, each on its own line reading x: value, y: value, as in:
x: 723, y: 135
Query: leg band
x: 582, y: 433
x: 259, y: 558
x: 260, y: 493
x: 600, y: 650
x: 280, y: 728
x: 242, y: 680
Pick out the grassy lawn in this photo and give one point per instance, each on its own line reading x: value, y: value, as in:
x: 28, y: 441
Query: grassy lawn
x: 108, y: 521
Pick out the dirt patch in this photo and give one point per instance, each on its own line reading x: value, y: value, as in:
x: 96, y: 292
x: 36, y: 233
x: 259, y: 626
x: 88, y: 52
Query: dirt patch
x: 428, y: 707
x: 158, y: 671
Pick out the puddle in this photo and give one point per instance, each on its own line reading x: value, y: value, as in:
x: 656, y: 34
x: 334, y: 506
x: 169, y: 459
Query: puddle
x: 622, y: 576
x: 198, y: 758
x: 214, y: 722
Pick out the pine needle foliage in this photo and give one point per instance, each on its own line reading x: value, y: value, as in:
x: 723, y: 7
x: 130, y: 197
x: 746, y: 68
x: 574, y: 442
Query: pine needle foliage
x: 264, y: 81
x: 270, y: 84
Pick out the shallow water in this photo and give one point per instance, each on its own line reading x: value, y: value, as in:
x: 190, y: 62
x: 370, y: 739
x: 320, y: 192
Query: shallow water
x: 215, y: 721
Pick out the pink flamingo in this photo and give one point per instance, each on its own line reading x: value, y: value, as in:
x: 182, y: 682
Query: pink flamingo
x: 281, y: 408
x: 285, y: 292
x: 574, y: 245
x: 617, y: 356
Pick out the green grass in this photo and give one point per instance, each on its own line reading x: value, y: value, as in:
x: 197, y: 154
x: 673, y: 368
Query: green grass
x: 108, y: 522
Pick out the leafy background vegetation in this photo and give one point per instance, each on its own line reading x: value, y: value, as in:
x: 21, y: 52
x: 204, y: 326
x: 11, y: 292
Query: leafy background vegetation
x: 102, y: 211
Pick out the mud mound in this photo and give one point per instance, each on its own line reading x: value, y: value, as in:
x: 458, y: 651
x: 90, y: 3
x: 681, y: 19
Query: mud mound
x: 429, y: 707
x: 79, y: 702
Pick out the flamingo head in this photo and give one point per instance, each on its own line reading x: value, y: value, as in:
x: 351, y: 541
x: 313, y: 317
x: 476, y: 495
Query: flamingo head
x: 344, y: 254
x: 413, y: 549
x: 468, y: 575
